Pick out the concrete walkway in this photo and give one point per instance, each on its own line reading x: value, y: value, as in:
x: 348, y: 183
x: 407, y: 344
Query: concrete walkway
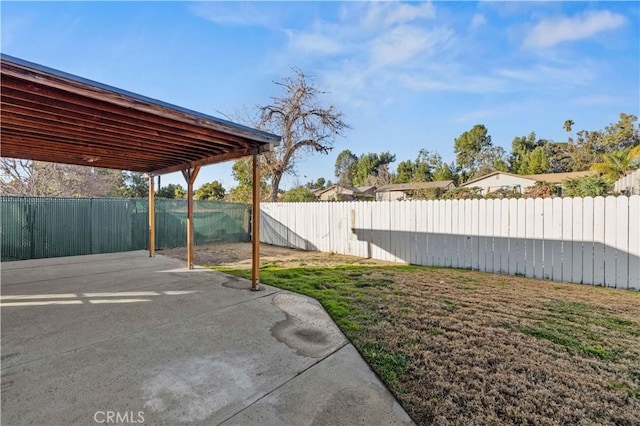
x: 133, y: 339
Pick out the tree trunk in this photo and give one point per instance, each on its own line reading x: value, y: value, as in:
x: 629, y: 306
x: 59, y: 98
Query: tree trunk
x: 275, y: 184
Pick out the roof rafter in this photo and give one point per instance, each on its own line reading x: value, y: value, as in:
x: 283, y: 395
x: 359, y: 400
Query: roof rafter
x: 49, y: 115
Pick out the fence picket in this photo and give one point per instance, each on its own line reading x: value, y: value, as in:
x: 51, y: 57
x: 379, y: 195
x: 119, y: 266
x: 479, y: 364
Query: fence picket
x: 634, y: 242
x: 514, y: 247
x: 529, y: 233
x: 482, y: 235
x: 504, y: 236
x: 538, y: 237
x: 610, y: 241
x: 598, y: 240
x: 622, y: 242
x: 588, y: 260
x: 489, y: 241
x: 497, y: 234
x: 474, y: 235
x: 430, y: 218
x: 577, y: 238
x: 468, y: 233
x: 566, y: 240
x: 454, y: 235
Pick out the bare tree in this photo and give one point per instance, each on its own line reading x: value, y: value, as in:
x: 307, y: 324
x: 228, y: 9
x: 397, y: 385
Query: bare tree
x: 37, y: 178
x: 305, y: 125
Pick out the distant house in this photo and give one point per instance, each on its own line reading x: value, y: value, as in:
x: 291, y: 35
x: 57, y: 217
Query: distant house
x: 518, y: 183
x: 629, y: 184
x: 406, y: 191
x: 346, y: 193
x: 367, y: 192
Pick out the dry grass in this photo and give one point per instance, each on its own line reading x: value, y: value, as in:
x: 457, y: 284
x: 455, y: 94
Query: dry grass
x: 464, y: 347
x: 494, y: 349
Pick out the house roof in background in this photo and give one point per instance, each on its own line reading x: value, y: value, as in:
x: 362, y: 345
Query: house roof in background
x: 366, y: 188
x: 559, y: 177
x: 49, y: 115
x: 543, y: 177
x: 439, y: 184
x: 488, y: 175
x: 341, y: 188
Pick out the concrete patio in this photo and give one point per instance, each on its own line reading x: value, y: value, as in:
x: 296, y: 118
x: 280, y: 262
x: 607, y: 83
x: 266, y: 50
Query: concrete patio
x: 144, y: 340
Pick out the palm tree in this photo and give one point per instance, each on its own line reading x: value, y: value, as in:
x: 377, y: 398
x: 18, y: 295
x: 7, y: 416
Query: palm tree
x: 634, y: 154
x: 615, y: 164
x: 568, y: 124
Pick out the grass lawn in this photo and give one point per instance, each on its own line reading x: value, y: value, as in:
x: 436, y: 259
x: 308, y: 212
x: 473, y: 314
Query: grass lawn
x: 465, y: 347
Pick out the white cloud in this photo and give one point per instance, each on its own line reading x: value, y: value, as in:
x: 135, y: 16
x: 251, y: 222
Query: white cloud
x: 597, y: 99
x: 387, y: 14
x: 567, y: 75
x: 403, y: 43
x: 454, y: 82
x: 236, y: 13
x: 407, y: 13
x: 548, y: 33
x: 478, y: 20
x: 478, y: 116
x: 314, y: 43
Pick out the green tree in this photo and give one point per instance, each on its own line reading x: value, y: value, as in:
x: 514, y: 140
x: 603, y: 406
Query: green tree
x: 491, y: 158
x: 521, y: 146
x: 404, y: 172
x: 621, y: 135
x: 420, y: 170
x: 131, y: 185
x: 588, y: 186
x: 587, y: 150
x: 345, y: 167
x: 304, y: 123
x: 373, y: 169
x: 614, y: 164
x: 535, y: 162
x: 172, y: 191
x: 320, y: 183
x: 298, y: 194
x: 559, y: 157
x: 445, y: 172
x: 242, y: 172
x: 591, y: 146
x: 212, y: 191
x: 469, y: 145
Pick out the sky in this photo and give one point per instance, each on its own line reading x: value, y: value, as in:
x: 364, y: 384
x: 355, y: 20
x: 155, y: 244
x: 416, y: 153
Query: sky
x: 406, y: 75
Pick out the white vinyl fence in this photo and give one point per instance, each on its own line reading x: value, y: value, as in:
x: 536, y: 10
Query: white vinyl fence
x: 579, y: 240
x: 629, y: 184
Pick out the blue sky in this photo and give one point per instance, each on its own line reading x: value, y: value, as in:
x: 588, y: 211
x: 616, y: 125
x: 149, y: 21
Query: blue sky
x: 407, y: 75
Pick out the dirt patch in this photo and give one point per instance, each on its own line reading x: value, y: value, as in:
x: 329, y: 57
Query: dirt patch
x: 238, y: 255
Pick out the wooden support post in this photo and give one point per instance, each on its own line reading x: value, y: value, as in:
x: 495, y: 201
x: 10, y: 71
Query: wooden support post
x: 190, y: 176
x: 152, y: 218
x: 255, y: 227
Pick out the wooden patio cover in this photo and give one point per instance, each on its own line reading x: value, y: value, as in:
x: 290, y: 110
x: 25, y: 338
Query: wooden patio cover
x: 49, y: 115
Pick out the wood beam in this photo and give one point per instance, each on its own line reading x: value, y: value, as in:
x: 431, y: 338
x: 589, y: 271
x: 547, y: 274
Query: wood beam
x: 126, y: 100
x: 255, y: 225
x: 60, y: 104
x: 152, y: 218
x: 190, y: 176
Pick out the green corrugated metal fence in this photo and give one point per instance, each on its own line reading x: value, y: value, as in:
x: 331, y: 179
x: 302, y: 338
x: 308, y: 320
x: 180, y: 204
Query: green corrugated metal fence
x: 38, y: 227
